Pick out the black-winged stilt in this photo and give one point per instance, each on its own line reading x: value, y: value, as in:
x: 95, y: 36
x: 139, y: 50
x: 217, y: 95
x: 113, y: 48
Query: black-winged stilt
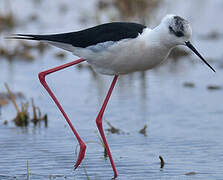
x: 114, y: 49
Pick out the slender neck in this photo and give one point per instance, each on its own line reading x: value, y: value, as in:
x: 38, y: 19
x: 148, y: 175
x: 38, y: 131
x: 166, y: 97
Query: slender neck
x: 161, y: 35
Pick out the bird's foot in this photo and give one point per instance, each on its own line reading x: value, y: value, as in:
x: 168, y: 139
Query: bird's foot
x: 81, y: 155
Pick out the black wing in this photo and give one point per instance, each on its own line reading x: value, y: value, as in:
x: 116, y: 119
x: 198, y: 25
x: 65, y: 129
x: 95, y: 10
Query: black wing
x: 105, y: 32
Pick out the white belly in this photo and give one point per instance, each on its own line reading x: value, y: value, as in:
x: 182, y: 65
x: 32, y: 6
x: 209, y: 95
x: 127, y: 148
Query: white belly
x: 123, y: 63
x: 123, y: 57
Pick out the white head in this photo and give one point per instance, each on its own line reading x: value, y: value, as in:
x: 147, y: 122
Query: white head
x: 179, y: 30
x: 175, y: 30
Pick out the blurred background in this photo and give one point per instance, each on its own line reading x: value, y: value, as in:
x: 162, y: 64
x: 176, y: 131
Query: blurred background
x: 174, y: 110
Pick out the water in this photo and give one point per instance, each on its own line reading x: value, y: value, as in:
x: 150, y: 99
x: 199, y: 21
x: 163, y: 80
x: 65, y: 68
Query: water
x: 184, y: 124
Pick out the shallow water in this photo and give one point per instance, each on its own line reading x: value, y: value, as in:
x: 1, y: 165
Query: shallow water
x: 184, y: 124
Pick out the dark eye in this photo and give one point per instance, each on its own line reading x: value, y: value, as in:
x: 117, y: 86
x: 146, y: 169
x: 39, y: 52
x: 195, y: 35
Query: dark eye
x: 171, y: 29
x: 179, y: 34
x: 176, y: 33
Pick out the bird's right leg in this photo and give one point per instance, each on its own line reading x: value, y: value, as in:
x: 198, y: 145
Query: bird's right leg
x: 45, y: 85
x: 100, y: 127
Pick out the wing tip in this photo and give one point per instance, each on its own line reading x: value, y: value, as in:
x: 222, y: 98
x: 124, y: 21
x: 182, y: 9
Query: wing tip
x: 20, y: 36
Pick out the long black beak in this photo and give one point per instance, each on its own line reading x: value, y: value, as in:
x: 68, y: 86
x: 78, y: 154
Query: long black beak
x: 188, y: 44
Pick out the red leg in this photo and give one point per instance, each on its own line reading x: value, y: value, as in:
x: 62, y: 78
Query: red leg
x: 43, y: 82
x: 100, y: 127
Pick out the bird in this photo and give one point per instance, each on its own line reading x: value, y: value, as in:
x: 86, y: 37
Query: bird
x: 114, y: 49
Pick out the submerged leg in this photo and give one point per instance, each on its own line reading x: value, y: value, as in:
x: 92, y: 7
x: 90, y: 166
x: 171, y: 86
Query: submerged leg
x: 45, y: 85
x: 100, y: 127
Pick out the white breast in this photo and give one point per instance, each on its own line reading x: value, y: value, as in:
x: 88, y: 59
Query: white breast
x: 125, y: 56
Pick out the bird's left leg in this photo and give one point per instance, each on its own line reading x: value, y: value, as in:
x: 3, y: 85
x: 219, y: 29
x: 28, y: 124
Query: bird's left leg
x: 45, y: 85
x: 100, y: 127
